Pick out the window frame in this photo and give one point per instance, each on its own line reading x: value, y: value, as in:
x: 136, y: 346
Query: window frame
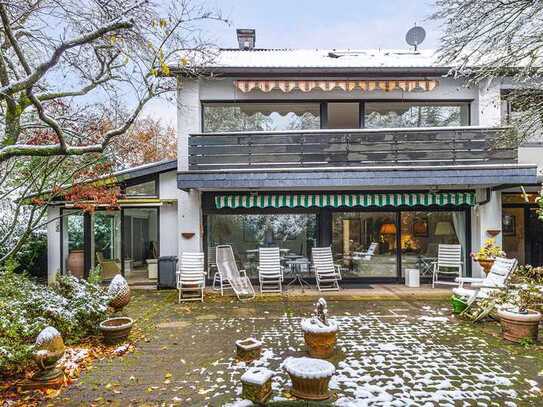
x: 138, y: 181
x: 324, y: 106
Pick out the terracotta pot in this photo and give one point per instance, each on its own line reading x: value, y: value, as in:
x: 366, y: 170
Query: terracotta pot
x: 517, y: 327
x: 320, y: 344
x: 76, y: 263
x: 115, y: 330
x: 486, y: 264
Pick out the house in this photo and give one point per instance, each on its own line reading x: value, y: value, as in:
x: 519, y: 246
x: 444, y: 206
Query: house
x: 348, y: 148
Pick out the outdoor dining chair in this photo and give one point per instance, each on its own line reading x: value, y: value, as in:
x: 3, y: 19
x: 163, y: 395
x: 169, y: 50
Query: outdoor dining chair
x: 191, y: 277
x: 270, y: 271
x: 229, y: 273
x: 327, y: 274
x: 449, y: 263
x: 219, y: 277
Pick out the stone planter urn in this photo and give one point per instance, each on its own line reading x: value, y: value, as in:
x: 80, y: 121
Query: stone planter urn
x: 115, y: 330
x: 320, y: 333
x: 517, y: 326
x: 310, y: 377
x: 256, y: 384
x: 119, y: 291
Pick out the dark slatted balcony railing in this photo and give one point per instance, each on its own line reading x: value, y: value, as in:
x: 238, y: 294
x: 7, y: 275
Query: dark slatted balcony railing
x: 350, y: 148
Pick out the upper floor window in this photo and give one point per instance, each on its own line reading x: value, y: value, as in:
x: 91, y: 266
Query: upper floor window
x: 260, y: 116
x: 415, y: 114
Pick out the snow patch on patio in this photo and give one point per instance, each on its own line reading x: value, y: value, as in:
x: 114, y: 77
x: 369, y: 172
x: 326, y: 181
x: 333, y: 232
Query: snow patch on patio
x: 383, y: 361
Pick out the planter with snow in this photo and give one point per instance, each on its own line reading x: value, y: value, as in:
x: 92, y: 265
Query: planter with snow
x: 320, y: 338
x: 320, y: 333
x: 310, y: 377
x: 248, y: 349
x: 256, y: 384
x: 519, y: 326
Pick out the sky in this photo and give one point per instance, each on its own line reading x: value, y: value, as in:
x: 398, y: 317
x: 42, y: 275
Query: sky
x: 316, y: 24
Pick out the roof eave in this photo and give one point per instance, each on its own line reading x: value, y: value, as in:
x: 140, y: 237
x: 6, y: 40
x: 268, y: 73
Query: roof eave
x: 317, y: 71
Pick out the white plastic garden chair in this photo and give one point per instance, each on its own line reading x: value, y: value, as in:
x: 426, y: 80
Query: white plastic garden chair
x: 449, y: 262
x: 270, y: 271
x: 228, y: 271
x: 327, y: 274
x: 481, y: 288
x: 211, y: 263
x: 219, y: 277
x: 191, y: 277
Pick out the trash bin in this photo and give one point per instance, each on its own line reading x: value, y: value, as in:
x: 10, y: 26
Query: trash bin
x: 167, y: 266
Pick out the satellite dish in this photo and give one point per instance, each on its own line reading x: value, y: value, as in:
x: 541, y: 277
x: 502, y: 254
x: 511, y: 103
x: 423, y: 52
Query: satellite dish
x: 415, y: 36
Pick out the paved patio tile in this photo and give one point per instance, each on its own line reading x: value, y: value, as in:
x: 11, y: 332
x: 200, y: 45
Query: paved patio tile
x: 390, y: 353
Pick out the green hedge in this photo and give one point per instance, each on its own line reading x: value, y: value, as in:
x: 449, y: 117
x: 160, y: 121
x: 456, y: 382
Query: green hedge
x: 74, y: 307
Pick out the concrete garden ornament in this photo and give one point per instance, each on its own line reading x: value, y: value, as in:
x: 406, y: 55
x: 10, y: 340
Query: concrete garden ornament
x: 257, y: 385
x: 320, y: 333
x: 119, y: 292
x: 48, y: 350
x: 248, y: 349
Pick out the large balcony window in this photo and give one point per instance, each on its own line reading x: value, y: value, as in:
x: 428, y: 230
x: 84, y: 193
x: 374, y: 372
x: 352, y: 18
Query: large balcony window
x: 295, y: 234
x: 415, y: 114
x: 219, y: 117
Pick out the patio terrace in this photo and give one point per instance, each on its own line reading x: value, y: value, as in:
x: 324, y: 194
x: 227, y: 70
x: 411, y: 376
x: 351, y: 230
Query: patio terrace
x: 389, y: 353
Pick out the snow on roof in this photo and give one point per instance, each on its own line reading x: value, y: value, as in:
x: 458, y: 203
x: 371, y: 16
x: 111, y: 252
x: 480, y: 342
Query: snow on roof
x: 339, y: 59
x: 323, y: 58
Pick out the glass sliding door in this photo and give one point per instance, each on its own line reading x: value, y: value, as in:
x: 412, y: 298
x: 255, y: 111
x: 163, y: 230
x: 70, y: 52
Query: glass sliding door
x: 294, y: 233
x: 364, y: 243
x: 421, y: 234
x: 106, y: 242
x: 73, y: 242
x: 140, y: 244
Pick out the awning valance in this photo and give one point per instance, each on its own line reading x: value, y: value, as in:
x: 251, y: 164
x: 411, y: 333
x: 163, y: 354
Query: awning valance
x: 386, y: 85
x: 344, y: 200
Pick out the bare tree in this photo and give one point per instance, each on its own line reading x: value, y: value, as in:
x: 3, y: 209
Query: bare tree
x: 74, y: 75
x: 489, y: 39
x: 109, y: 56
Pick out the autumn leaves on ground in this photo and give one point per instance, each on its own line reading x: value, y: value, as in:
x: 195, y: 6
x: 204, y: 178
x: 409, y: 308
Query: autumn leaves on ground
x: 184, y: 354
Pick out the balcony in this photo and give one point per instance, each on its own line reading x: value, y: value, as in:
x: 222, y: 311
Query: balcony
x: 443, y: 146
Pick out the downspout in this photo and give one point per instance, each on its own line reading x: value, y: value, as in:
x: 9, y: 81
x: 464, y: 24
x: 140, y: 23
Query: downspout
x: 488, y: 196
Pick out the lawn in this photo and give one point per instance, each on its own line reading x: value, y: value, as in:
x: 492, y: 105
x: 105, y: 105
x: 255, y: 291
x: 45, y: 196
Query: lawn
x: 389, y: 353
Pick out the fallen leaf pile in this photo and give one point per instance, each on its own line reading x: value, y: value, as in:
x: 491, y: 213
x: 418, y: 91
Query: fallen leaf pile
x: 76, y: 359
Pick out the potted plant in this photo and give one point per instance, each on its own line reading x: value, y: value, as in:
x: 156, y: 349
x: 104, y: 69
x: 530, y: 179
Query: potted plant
x: 319, y: 332
x: 519, y: 305
x: 486, y: 255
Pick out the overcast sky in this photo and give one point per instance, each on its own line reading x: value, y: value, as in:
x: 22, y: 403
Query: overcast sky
x: 317, y: 24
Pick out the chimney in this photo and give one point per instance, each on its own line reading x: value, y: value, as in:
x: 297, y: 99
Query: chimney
x: 246, y: 38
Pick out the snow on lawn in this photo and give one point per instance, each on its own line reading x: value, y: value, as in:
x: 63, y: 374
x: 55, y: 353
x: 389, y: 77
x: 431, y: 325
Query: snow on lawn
x: 382, y: 361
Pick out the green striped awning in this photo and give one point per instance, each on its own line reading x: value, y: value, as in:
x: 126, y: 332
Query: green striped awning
x: 363, y: 200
